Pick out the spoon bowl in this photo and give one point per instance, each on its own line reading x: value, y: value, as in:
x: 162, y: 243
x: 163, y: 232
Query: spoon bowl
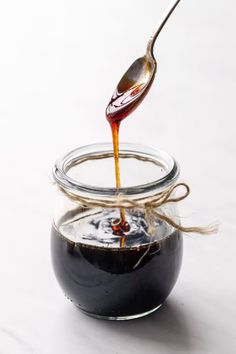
x: 136, y: 82
x: 132, y: 88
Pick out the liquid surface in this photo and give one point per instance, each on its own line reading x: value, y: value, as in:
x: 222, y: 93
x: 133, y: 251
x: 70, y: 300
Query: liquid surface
x: 96, y: 228
x: 103, y: 279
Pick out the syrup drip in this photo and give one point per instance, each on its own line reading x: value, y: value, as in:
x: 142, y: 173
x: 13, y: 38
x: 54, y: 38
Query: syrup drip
x: 119, y: 226
x: 120, y: 106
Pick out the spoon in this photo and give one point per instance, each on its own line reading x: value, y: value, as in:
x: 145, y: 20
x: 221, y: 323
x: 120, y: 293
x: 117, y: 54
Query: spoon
x: 136, y: 82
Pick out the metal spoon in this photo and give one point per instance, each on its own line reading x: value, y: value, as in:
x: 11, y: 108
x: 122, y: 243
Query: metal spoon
x: 136, y: 82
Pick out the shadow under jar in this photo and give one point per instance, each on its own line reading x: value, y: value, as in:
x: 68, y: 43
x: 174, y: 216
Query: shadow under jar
x: 99, y: 275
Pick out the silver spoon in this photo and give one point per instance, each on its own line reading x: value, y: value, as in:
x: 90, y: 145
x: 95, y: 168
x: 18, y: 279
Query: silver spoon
x: 136, y: 82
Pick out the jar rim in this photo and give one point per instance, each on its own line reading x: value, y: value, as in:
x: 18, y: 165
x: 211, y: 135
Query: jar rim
x: 91, y: 151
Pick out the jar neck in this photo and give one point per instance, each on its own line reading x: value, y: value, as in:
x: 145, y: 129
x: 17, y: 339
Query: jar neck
x: 142, y: 153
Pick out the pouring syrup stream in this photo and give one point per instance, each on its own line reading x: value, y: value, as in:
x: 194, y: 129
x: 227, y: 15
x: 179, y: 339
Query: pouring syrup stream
x: 129, y: 93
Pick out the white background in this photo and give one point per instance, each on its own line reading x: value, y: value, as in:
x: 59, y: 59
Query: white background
x: 59, y: 64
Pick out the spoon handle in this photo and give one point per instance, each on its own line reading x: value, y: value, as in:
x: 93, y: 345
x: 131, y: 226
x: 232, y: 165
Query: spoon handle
x: 161, y: 24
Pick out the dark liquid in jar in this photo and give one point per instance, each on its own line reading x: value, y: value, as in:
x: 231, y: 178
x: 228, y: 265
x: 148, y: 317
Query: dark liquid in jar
x: 113, y: 281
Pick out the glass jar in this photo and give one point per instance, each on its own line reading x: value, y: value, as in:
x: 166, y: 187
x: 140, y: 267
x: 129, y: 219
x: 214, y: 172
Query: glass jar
x: 102, y: 276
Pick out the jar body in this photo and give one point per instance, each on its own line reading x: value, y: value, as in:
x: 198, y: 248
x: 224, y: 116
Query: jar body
x: 119, y: 291
x: 106, y: 280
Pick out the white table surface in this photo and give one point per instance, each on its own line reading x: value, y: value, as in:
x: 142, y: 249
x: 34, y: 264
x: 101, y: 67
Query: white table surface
x: 48, y: 71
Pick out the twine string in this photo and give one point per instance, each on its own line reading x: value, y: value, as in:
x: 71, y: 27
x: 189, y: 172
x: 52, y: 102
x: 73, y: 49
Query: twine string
x: 150, y: 205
